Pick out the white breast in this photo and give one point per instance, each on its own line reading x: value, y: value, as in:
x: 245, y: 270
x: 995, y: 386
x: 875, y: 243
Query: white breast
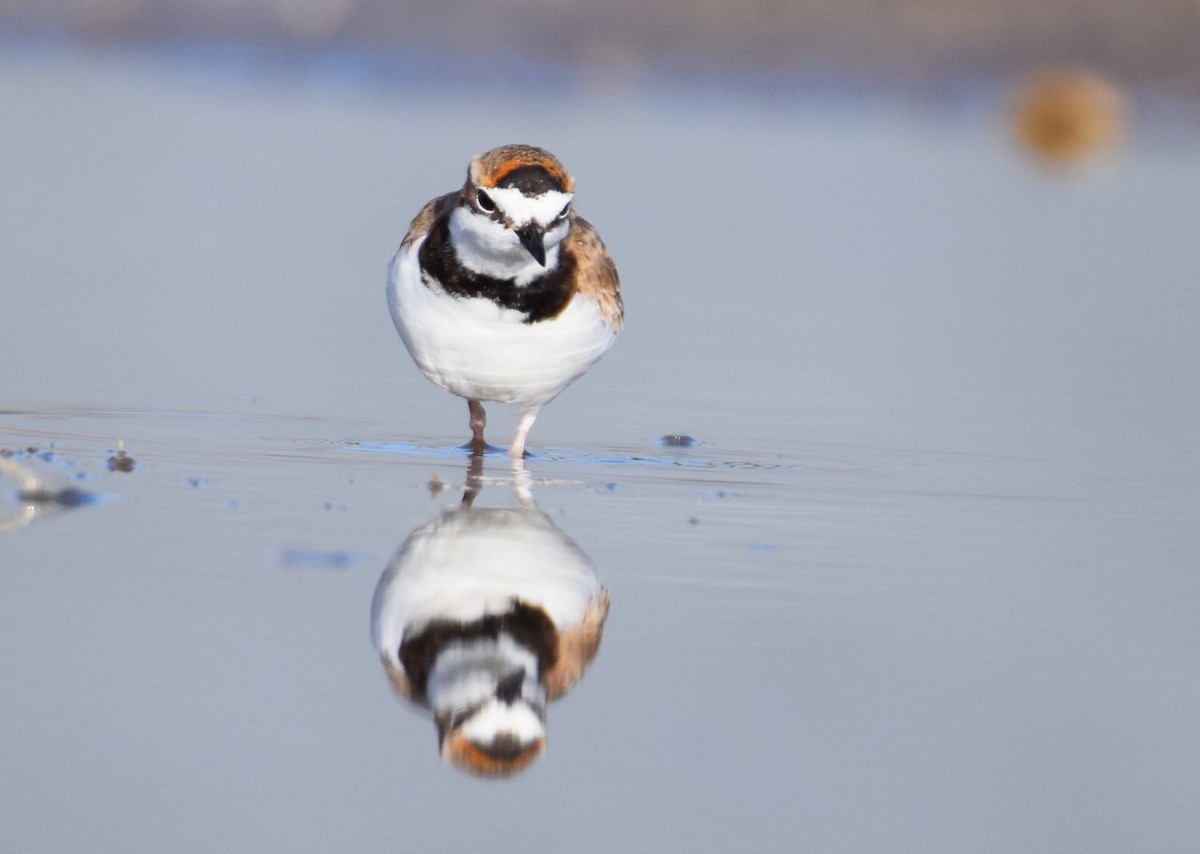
x: 477, y: 349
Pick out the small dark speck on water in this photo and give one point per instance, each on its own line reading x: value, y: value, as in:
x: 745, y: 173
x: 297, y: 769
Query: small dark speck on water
x: 313, y: 559
x: 692, y: 520
x: 122, y: 462
x: 677, y: 440
x: 196, y: 481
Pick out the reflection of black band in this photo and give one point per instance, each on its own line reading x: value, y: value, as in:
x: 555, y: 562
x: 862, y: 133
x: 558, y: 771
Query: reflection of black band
x: 527, y: 625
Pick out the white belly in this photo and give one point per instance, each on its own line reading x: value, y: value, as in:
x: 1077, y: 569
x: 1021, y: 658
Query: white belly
x: 479, y: 350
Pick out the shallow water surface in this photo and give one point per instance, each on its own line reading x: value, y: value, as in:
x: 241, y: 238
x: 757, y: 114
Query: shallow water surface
x: 927, y: 579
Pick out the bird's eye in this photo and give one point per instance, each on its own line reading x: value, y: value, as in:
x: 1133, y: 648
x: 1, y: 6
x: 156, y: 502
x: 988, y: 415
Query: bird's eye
x: 563, y: 213
x: 484, y: 201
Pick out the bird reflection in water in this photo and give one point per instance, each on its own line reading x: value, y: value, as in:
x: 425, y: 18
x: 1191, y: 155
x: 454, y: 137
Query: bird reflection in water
x: 483, y: 616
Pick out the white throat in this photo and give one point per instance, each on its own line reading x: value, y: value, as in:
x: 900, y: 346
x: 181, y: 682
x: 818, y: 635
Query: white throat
x: 488, y: 248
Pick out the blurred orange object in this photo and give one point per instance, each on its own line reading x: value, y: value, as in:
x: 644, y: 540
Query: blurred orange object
x: 1068, y: 115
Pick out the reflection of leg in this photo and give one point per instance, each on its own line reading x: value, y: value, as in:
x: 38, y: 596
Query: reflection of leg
x: 474, y: 479
x: 522, y: 484
x: 478, y: 422
x: 517, y: 451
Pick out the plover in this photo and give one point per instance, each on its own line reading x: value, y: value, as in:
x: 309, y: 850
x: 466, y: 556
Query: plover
x: 501, y: 292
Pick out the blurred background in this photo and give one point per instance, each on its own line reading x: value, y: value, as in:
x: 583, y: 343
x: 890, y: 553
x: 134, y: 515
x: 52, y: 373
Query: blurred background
x: 1152, y: 44
x: 1065, y: 79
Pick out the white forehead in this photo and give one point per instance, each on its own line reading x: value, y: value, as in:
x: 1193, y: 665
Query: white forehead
x: 521, y: 208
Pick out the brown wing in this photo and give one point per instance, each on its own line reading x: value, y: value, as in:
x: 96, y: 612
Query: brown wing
x: 576, y: 649
x: 424, y: 220
x: 597, y: 273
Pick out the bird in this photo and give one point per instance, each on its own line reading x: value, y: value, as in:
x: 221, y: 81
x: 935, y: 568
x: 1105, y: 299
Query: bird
x: 501, y: 292
x: 483, y: 617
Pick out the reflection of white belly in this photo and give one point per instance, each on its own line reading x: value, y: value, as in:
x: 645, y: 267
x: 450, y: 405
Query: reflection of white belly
x: 468, y: 564
x: 480, y: 350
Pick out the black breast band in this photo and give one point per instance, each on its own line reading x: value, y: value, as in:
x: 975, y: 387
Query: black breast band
x: 541, y: 299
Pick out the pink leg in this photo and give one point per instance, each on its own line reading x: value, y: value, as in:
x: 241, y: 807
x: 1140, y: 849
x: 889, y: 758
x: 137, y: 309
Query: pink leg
x: 478, y: 422
x: 517, y: 451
